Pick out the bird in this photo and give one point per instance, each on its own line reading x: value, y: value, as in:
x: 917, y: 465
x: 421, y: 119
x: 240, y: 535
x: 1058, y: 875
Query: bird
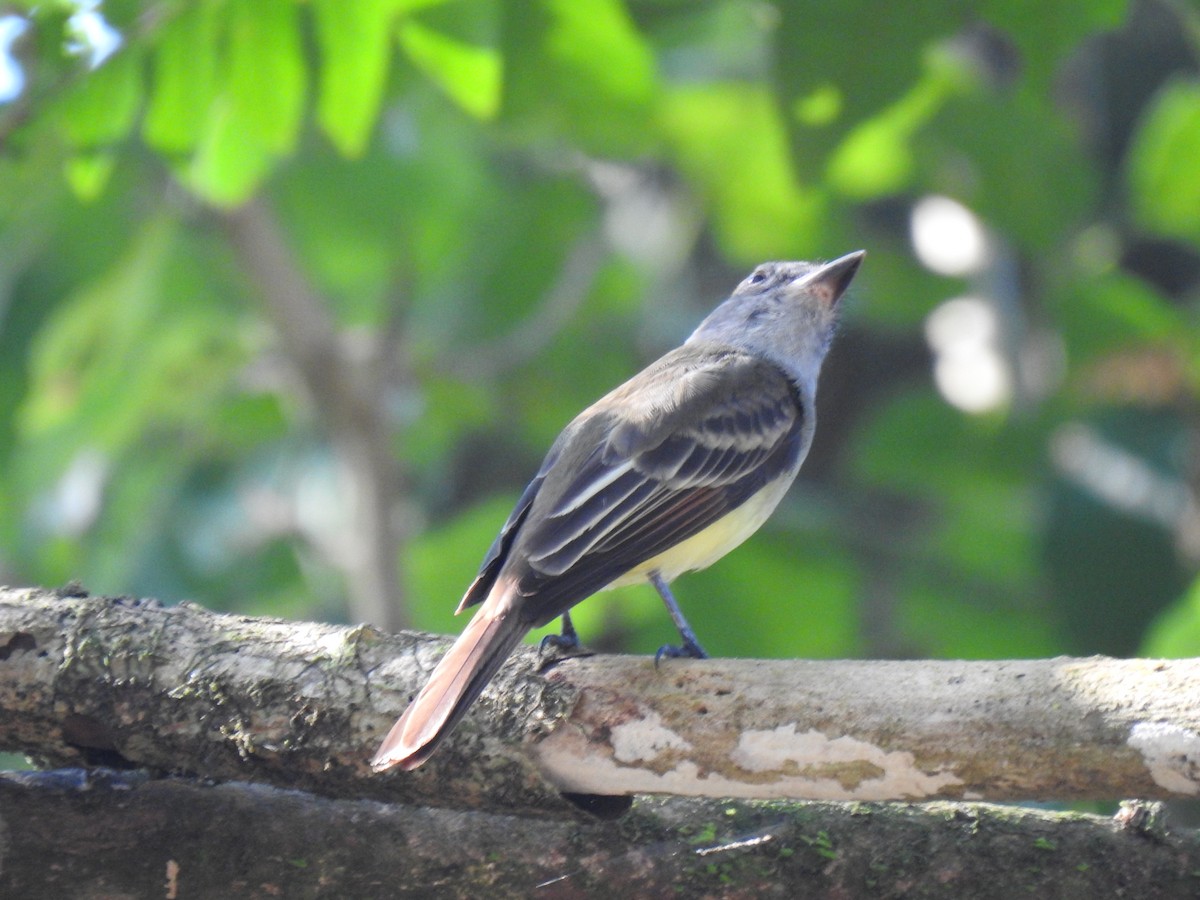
x: 663, y: 475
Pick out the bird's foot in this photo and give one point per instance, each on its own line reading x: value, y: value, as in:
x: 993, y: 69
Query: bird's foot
x: 562, y: 642
x: 689, y: 649
x: 566, y: 643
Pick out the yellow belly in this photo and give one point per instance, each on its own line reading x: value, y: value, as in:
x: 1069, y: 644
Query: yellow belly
x: 703, y: 549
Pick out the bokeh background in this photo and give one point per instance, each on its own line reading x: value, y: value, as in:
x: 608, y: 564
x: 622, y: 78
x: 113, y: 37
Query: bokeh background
x: 294, y: 296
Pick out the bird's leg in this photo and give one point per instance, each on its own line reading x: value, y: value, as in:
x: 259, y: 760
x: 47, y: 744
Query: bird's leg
x: 689, y: 646
x: 567, y: 640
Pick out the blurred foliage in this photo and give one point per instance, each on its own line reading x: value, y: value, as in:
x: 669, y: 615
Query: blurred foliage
x: 508, y: 208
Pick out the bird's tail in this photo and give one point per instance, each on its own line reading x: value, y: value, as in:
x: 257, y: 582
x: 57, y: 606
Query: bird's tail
x: 456, y: 682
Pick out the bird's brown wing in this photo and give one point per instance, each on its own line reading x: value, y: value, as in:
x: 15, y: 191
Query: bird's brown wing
x: 631, y: 481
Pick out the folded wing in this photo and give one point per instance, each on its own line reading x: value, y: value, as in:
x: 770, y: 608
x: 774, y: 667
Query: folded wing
x: 643, y: 479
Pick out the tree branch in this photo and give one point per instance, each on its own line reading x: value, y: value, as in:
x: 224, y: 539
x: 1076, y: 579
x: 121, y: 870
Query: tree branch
x: 106, y: 834
x: 97, y: 681
x: 104, y: 682
x: 346, y: 397
x: 531, y: 335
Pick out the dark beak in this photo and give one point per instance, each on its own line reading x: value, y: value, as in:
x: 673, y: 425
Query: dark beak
x: 831, y: 280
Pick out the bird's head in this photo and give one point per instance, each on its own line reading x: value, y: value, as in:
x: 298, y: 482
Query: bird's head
x: 785, y: 311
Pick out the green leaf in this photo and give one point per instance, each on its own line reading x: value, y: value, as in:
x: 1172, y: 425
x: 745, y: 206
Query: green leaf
x: 118, y: 358
x: 951, y: 447
x: 1045, y: 32
x: 256, y: 116
x: 1176, y: 632
x: 1037, y: 189
x: 1164, y: 173
x: 876, y: 157
x: 872, y: 51
x: 229, y: 163
x: 451, y: 410
x: 87, y: 343
x: 440, y: 563
x: 88, y: 174
x: 185, y: 80
x: 355, y: 45
x: 1112, y: 312
x: 101, y: 108
x: 122, y: 14
x: 469, y: 74
x: 970, y: 481
x: 266, y: 76
x: 730, y: 141
x: 127, y: 370
x: 578, y: 68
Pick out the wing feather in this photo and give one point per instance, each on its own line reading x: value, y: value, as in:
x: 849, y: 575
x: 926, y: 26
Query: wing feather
x: 646, y: 482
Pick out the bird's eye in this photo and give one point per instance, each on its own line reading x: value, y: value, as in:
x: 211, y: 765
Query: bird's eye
x: 758, y: 277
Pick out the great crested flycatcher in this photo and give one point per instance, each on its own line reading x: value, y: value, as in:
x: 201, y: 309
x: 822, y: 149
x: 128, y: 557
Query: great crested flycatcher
x: 664, y: 475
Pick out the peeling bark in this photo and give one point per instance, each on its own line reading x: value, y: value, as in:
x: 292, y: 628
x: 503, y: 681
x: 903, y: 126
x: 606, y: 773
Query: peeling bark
x: 1058, y: 729
x: 101, y: 683
x: 96, y: 681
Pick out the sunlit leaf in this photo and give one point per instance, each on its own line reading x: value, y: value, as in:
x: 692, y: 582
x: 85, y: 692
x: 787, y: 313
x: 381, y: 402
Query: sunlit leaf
x: 185, y: 79
x: 578, y: 67
x: 256, y: 115
x: 88, y: 174
x: 229, y: 162
x: 1176, y: 632
x: 874, y: 52
x: 730, y: 141
x: 470, y: 75
x: 1163, y: 169
x: 101, y: 108
x: 265, y: 82
x: 355, y: 44
x: 877, y: 156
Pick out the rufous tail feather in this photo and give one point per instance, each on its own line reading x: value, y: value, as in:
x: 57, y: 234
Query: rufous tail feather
x: 456, y: 682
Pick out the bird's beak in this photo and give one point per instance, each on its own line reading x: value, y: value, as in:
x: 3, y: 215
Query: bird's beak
x: 830, y: 281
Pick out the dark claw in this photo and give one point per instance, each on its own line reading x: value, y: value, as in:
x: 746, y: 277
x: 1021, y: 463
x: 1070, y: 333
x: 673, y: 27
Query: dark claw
x: 568, y: 640
x: 559, y: 642
x: 689, y: 649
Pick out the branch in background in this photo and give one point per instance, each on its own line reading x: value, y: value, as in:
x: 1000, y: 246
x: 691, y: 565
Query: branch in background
x: 96, y: 681
x: 349, y: 402
x: 70, y: 833
x: 529, y: 337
